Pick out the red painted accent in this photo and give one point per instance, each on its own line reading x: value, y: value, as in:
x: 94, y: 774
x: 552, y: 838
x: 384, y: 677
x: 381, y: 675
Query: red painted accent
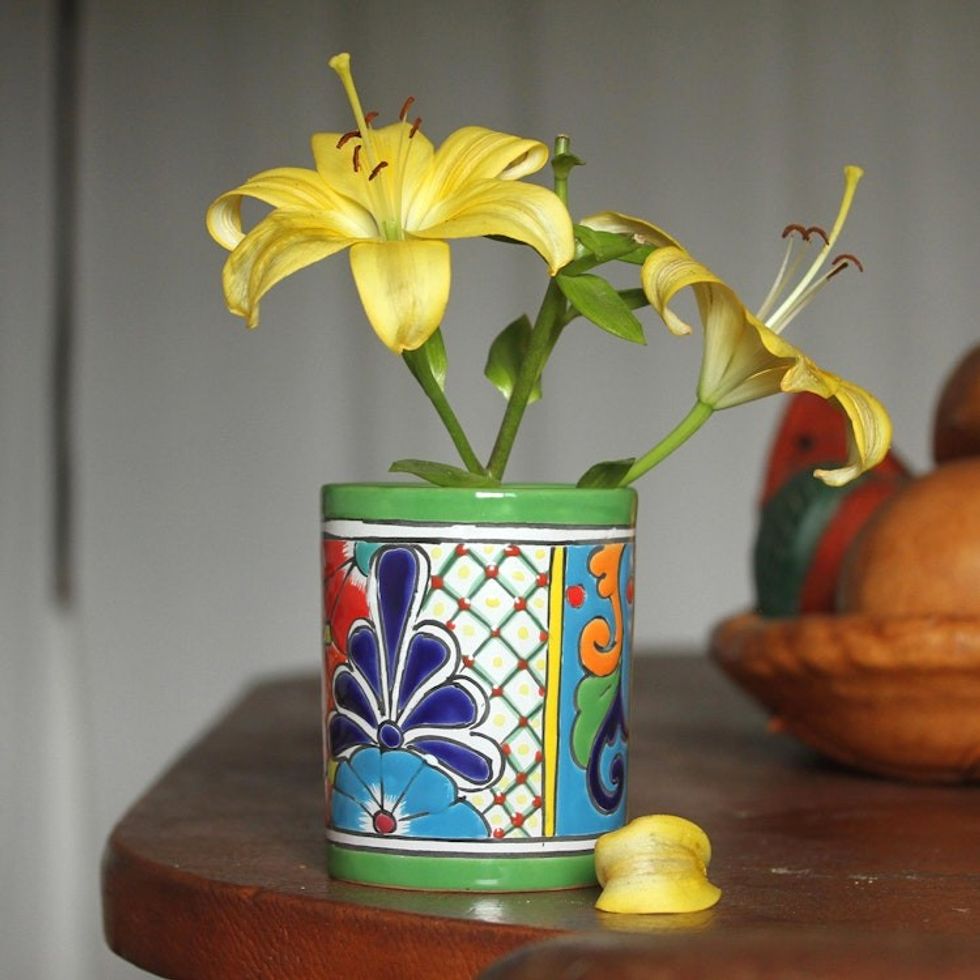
x: 517, y: 820
x: 630, y: 591
x: 436, y: 581
x: 505, y: 748
x: 468, y: 661
x: 450, y: 625
x: 575, y: 594
x: 498, y: 833
x: 491, y: 571
x: 520, y: 603
x: 461, y: 550
x: 543, y: 579
x: 522, y: 722
x: 543, y: 636
x: 463, y: 603
x: 537, y: 802
x: 522, y: 665
x: 496, y: 692
x: 384, y: 822
x: 819, y: 589
x: 500, y: 799
x: 521, y: 778
x: 538, y: 756
x: 495, y: 632
x: 512, y: 550
x: 542, y: 691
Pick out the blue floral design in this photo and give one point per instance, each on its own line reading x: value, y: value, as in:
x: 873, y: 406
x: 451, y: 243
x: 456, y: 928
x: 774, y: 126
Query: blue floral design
x: 395, y: 793
x: 401, y: 687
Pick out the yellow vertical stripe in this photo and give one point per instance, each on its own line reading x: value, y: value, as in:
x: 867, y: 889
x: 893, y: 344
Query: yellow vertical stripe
x: 556, y: 608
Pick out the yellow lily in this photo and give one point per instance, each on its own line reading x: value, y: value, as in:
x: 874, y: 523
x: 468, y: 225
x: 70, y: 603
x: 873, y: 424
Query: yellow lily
x: 392, y: 198
x: 744, y: 355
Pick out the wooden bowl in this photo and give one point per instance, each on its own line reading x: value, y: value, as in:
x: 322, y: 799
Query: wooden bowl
x: 898, y: 696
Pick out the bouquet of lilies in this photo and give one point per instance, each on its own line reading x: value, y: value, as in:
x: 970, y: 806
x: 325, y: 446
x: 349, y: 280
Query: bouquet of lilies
x: 391, y: 198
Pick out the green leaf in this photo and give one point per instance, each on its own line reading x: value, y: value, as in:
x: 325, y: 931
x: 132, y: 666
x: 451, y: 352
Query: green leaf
x: 506, y: 356
x: 634, y: 298
x: 593, y: 697
x: 607, y: 474
x: 594, y: 298
x: 430, y: 358
x: 442, y: 474
x: 638, y: 254
x: 605, y: 245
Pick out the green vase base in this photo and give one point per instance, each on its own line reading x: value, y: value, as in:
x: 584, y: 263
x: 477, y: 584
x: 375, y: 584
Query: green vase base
x: 424, y: 872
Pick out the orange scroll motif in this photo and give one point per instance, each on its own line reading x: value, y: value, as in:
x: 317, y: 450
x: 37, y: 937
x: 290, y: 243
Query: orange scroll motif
x: 599, y: 647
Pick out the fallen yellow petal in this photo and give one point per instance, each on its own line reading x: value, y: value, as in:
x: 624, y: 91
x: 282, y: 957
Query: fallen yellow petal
x: 656, y: 863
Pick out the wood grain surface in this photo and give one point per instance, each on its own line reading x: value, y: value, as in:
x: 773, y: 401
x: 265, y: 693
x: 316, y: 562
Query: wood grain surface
x: 218, y: 872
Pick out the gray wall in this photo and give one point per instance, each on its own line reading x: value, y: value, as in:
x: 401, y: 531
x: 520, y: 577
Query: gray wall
x: 199, y: 448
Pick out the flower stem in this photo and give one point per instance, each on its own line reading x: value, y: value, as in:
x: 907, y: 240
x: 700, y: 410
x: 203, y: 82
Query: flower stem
x: 419, y: 366
x: 683, y: 431
x: 539, y: 346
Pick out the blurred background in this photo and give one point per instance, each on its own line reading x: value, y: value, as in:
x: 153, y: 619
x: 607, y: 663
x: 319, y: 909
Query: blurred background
x: 159, y: 465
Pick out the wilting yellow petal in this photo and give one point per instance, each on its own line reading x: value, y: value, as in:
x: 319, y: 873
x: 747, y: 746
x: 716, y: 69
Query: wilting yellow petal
x: 870, y: 431
x: 623, y: 224
x: 280, y: 244
x: 525, y: 212
x: 404, y: 287
x: 656, y: 863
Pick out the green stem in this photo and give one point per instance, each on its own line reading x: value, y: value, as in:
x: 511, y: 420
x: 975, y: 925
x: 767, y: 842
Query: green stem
x: 686, y: 428
x: 562, y: 145
x: 419, y: 367
x: 539, y: 347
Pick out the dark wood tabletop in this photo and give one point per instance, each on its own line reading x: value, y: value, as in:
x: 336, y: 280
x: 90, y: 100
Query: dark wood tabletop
x: 218, y: 872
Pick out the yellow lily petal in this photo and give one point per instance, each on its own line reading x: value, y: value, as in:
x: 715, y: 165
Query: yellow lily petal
x: 870, y: 430
x: 655, y: 864
x: 404, y: 287
x: 289, y: 188
x: 280, y: 244
x: 525, y: 212
x: 623, y: 224
x: 476, y: 153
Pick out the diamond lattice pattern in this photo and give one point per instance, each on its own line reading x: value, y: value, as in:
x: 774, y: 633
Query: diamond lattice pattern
x: 495, y: 599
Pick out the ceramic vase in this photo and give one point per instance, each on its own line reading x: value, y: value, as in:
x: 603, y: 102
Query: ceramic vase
x: 476, y: 682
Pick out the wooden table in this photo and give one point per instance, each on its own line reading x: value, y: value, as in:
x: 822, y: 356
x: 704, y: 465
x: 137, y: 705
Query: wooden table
x: 218, y: 871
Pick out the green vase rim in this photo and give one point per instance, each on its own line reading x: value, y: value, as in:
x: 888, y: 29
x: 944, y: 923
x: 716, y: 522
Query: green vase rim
x: 548, y: 504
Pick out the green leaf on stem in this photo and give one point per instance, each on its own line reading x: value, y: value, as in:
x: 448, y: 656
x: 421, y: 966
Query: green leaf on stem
x: 506, y: 356
x: 442, y: 474
x: 597, y: 300
x: 606, y: 475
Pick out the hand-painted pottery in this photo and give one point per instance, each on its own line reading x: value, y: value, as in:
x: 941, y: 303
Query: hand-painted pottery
x: 476, y: 679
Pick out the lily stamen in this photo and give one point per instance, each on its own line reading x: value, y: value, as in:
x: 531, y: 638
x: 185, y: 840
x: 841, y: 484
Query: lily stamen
x: 347, y: 137
x: 406, y: 105
x: 792, y: 258
x: 790, y: 305
x: 415, y: 126
x: 357, y: 158
x: 817, y: 230
x: 847, y: 257
x: 369, y: 117
x: 374, y: 173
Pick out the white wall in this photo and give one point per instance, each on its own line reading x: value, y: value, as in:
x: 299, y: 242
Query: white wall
x: 201, y: 447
